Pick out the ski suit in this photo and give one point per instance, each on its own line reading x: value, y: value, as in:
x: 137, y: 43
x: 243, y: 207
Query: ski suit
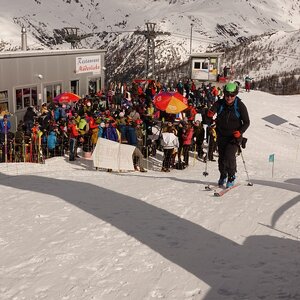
x: 228, y: 121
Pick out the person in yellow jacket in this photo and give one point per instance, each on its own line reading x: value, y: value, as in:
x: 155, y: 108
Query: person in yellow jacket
x: 36, y: 140
x: 150, y: 110
x: 77, y: 118
x: 83, y: 126
x: 212, y: 141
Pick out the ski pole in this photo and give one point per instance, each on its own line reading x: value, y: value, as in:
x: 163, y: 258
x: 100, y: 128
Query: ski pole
x: 22, y: 152
x: 10, y: 152
x: 205, y: 173
x: 145, y: 144
x: 5, y: 141
x: 242, y: 156
x: 195, y: 149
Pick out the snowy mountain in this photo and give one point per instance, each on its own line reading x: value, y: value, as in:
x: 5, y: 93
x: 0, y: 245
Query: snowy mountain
x: 210, y: 24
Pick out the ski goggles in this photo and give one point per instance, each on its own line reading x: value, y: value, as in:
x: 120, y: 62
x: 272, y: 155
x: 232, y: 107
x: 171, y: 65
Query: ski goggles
x: 228, y: 94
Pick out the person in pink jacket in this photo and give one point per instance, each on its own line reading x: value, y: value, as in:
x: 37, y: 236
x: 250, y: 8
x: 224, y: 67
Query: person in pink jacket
x: 187, y: 137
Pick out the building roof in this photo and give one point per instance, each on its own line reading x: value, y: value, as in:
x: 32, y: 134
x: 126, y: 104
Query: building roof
x: 207, y: 54
x: 32, y: 53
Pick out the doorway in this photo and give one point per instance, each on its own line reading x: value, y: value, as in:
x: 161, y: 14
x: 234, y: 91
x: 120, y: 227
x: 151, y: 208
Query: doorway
x: 75, y: 86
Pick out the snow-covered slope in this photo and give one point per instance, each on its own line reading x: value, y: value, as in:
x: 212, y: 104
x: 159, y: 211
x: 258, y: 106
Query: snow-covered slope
x: 70, y: 232
x: 214, y: 22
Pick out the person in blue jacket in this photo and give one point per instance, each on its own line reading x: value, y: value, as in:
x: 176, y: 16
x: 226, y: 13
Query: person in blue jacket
x: 101, y: 130
x: 51, y: 143
x: 4, y: 125
x: 110, y: 132
x: 4, y: 130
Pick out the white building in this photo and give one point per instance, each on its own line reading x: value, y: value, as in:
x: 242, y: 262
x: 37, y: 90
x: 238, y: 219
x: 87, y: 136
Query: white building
x: 206, y: 66
x: 29, y: 78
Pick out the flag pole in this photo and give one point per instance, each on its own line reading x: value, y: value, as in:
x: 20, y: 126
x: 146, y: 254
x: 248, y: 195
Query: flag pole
x: 272, y: 160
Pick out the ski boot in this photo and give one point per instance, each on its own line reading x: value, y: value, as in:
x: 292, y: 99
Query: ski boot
x: 222, y: 180
x: 230, y: 182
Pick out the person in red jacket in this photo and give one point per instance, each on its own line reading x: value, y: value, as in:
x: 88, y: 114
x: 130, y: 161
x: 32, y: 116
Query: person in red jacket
x: 215, y: 93
x: 187, y: 137
x: 73, y: 133
x: 193, y: 87
x: 190, y: 112
x: 93, y: 130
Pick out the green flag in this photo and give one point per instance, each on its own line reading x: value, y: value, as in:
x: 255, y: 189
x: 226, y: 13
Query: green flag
x: 271, y: 157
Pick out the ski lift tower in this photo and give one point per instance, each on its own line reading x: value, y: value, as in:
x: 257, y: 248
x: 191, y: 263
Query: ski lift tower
x: 150, y: 34
x: 71, y: 36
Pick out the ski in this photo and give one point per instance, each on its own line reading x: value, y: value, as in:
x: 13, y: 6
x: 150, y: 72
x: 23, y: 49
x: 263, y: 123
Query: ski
x: 220, y: 193
x: 210, y: 187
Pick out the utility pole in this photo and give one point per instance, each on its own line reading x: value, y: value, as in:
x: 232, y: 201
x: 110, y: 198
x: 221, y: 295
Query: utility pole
x: 191, y: 38
x: 191, y: 43
x: 150, y: 34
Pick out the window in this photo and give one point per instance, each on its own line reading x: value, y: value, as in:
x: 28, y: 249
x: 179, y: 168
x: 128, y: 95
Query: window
x: 205, y: 65
x: 75, y: 86
x: 94, y: 85
x: 197, y: 65
x: 57, y: 89
x: 26, y: 97
x: 19, y: 99
x: 51, y: 91
x: 34, y: 96
x: 201, y: 64
x: 26, y: 100
x: 4, y: 101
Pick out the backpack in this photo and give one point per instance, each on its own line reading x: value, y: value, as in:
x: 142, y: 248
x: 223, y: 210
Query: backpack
x: 236, y: 108
x: 179, y: 165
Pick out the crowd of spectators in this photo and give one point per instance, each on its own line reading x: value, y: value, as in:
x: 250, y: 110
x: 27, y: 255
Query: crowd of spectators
x: 125, y: 114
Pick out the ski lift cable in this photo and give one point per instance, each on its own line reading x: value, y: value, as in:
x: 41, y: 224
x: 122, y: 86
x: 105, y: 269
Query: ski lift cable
x: 172, y: 33
x: 194, y: 38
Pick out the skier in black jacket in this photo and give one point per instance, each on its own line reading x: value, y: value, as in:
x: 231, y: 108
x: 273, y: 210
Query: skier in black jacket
x: 232, y: 120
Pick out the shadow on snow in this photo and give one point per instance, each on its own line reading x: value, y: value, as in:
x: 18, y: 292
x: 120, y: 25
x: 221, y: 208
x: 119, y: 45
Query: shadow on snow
x: 231, y: 270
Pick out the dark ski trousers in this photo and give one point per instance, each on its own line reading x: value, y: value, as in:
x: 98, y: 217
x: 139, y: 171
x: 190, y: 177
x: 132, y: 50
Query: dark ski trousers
x: 167, y: 158
x: 227, y: 148
x: 73, y: 145
x: 180, y: 151
x: 186, y: 149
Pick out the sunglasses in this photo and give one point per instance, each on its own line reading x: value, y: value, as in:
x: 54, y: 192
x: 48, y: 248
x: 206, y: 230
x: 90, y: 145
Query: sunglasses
x: 229, y: 94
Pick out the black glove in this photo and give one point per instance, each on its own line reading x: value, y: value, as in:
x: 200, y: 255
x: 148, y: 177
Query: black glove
x: 244, y: 141
x: 237, y: 141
